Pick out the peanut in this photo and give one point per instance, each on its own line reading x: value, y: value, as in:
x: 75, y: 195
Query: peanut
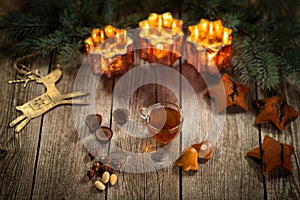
x: 105, y: 177
x: 99, y: 185
x: 113, y: 179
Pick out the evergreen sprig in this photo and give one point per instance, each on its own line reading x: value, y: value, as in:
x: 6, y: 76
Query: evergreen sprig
x: 266, y: 37
x: 18, y: 26
x: 266, y: 33
x: 50, y: 27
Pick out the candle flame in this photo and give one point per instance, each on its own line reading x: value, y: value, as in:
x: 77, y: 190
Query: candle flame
x: 111, y: 51
x: 159, y: 22
x: 109, y: 31
x: 96, y: 43
x: 196, y: 31
x: 225, y: 37
x: 210, y: 29
x: 209, y: 34
x: 161, y: 38
x: 164, y: 20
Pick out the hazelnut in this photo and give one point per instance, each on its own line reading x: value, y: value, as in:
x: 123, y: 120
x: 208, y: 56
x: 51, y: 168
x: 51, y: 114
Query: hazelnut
x: 93, y: 121
x: 121, y: 116
x: 104, y: 134
x: 96, y: 166
x: 90, y: 173
x: 105, y: 168
x: 204, y: 149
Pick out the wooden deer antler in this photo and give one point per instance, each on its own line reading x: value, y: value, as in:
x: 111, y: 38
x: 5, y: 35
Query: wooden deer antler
x: 41, y: 104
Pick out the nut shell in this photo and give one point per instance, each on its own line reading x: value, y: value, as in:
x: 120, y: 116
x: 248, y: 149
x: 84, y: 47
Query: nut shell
x: 104, y: 134
x: 90, y: 173
x: 104, y: 168
x: 93, y: 121
x: 96, y: 166
x: 204, y: 149
x: 121, y: 116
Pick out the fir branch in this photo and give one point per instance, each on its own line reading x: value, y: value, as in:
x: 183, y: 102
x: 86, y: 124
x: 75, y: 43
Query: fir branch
x: 291, y: 67
x: 267, y: 71
x: 108, y: 11
x: 126, y: 7
x: 88, y: 12
x: 52, y: 26
x: 202, y: 9
x: 241, y: 64
x: 266, y: 33
x: 43, y: 8
x: 231, y: 20
x: 131, y: 21
x: 21, y: 25
x: 41, y: 45
x: 254, y: 62
x: 68, y: 20
x: 69, y: 54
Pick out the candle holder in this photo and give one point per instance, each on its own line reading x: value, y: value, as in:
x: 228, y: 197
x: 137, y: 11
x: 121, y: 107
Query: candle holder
x: 160, y: 39
x: 110, y: 51
x: 209, y: 44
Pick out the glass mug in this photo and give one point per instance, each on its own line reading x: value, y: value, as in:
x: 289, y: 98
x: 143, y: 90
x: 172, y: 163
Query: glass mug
x: 164, y: 121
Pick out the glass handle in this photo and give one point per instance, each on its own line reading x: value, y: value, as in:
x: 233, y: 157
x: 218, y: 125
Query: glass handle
x: 144, y: 113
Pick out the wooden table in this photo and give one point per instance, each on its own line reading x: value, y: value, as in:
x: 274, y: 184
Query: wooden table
x: 47, y: 160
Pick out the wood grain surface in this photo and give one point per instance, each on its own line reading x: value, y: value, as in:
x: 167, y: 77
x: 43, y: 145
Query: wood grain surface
x: 281, y: 184
x: 18, y: 166
x: 48, y: 159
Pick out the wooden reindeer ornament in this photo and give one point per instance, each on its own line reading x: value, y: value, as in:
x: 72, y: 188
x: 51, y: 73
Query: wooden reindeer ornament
x: 41, y: 104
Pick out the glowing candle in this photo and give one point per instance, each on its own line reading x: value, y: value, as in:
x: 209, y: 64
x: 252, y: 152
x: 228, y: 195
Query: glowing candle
x: 160, y: 39
x: 209, y: 44
x: 110, y: 51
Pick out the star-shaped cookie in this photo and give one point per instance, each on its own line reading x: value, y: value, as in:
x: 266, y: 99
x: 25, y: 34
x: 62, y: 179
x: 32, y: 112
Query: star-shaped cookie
x: 274, y: 109
x: 274, y: 154
x: 234, y: 94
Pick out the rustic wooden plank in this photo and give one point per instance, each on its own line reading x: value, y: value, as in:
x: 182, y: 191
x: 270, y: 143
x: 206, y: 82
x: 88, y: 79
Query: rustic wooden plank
x: 17, y: 167
x: 63, y: 159
x: 168, y: 178
x: 59, y: 158
x: 228, y: 175
x: 143, y: 96
x: 152, y: 185
x: 131, y: 185
x: 281, y: 184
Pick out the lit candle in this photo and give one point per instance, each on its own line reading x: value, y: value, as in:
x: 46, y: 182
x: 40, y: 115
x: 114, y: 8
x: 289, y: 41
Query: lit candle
x: 160, y: 39
x: 209, y: 44
x: 110, y: 51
